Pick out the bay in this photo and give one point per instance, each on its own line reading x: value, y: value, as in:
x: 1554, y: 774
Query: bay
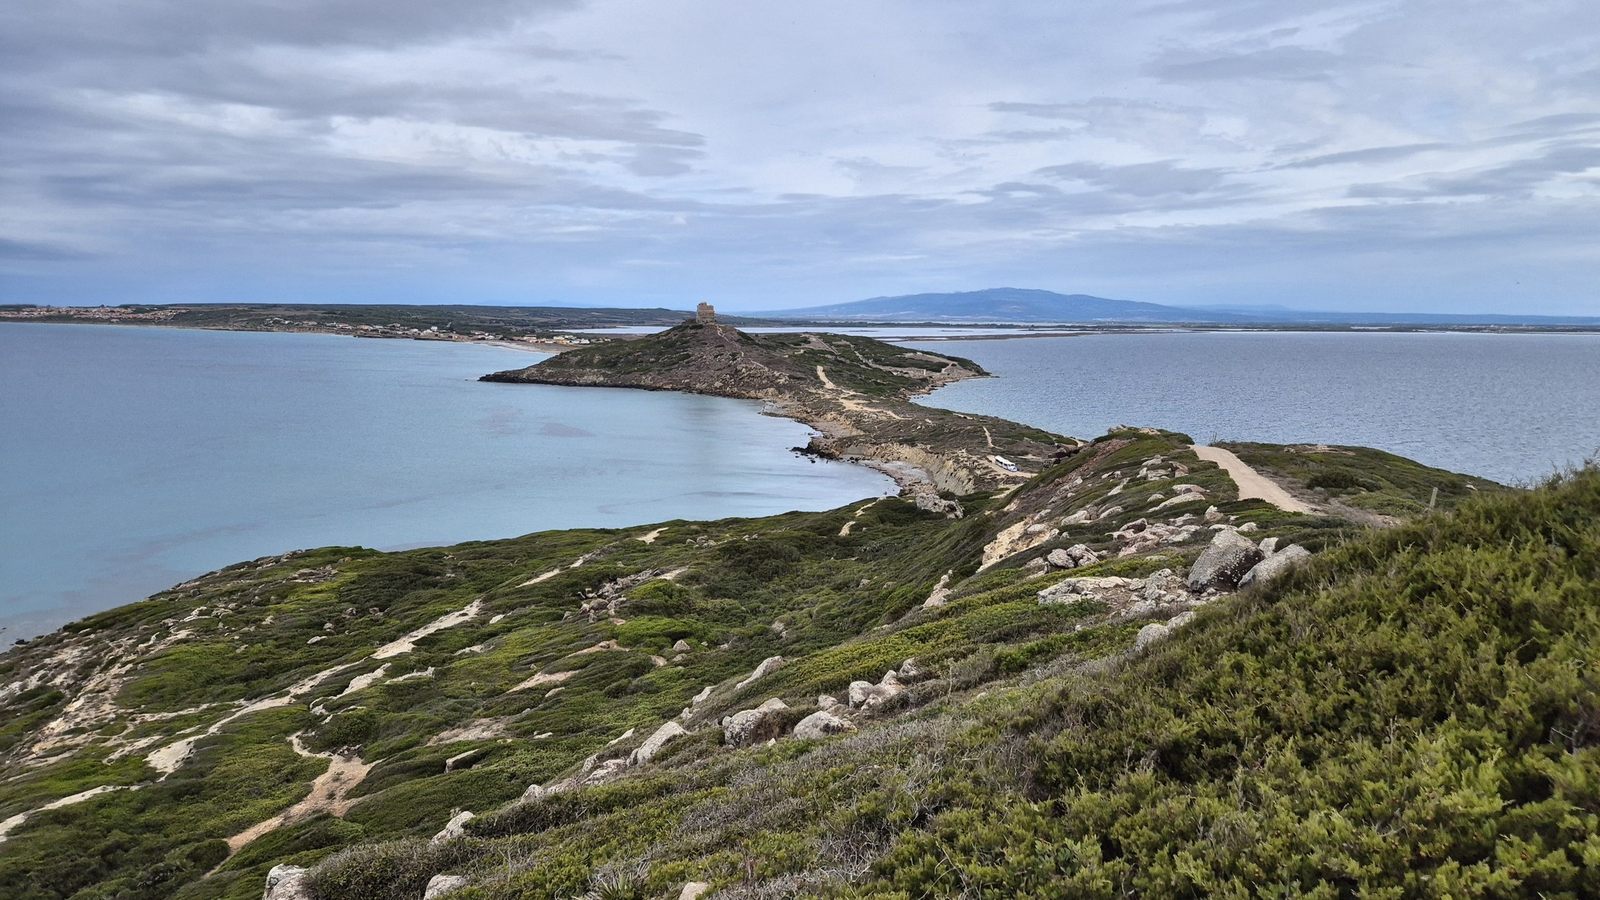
x: 1511, y: 407
x: 136, y: 458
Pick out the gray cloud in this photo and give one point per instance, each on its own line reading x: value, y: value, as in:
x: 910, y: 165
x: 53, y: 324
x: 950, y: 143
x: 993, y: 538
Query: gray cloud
x: 620, y: 151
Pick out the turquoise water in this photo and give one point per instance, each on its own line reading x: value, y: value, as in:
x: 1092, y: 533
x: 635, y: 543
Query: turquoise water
x: 1512, y: 407
x: 136, y: 458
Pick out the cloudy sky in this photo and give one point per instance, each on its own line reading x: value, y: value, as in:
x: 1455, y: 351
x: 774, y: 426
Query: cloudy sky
x: 1438, y: 155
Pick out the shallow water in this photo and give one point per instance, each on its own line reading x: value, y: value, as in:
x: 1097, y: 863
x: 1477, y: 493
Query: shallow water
x: 135, y: 458
x: 1512, y: 407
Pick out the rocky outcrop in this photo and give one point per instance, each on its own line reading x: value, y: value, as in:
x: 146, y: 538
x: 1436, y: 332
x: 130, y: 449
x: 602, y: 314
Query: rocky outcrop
x: 821, y: 724
x: 1071, y: 590
x: 752, y: 726
x: 652, y: 745
x: 287, y: 883
x: 767, y: 667
x: 1156, y: 631
x: 1223, y: 563
x: 440, y: 885
x: 1276, y: 565
x: 694, y: 890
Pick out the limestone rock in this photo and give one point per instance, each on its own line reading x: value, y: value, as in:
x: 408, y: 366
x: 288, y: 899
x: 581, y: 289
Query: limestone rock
x: 453, y: 829
x: 694, y: 890
x: 821, y: 724
x: 652, y: 745
x: 440, y: 885
x: 1223, y: 563
x: 287, y: 883
x: 1276, y: 566
x: 751, y: 726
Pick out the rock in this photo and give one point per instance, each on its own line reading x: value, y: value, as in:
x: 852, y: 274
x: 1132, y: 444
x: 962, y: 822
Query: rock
x: 696, y: 700
x: 866, y: 695
x: 827, y: 701
x: 928, y: 501
x: 534, y: 792
x: 466, y: 760
x: 1213, y: 514
x: 1268, y: 546
x: 911, y: 670
x: 1036, y: 528
x: 287, y: 883
x: 1073, y: 557
x: 1149, y: 634
x: 1059, y: 558
x: 821, y: 724
x: 1163, y: 587
x: 1071, y: 590
x: 1249, y: 528
x: 439, y: 885
x: 1078, y: 518
x: 1176, y: 500
x: 769, y: 665
x: 752, y: 726
x: 941, y: 592
x: 1195, y: 489
x: 682, y: 646
x: 605, y: 772
x: 453, y: 829
x: 1108, y: 512
x: 1276, y: 566
x: 1223, y: 563
x: 652, y: 745
x: 693, y: 890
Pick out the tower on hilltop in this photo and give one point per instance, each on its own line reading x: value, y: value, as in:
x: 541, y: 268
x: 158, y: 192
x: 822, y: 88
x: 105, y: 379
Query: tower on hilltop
x: 705, y: 313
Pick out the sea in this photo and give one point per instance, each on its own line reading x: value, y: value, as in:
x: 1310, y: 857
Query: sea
x: 134, y: 458
x: 1514, y: 407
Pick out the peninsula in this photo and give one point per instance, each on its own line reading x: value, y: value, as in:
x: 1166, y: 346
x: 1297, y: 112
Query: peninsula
x: 1125, y: 669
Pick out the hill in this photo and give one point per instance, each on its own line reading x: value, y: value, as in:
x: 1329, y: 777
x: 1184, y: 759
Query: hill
x: 873, y: 701
x: 855, y: 391
x: 1040, y: 307
x: 1021, y: 305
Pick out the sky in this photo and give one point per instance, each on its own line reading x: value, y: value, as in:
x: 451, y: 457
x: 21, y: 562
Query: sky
x: 1386, y: 155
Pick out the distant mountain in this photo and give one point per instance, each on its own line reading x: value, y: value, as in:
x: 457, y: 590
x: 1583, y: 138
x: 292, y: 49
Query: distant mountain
x: 1039, y: 307
x: 1003, y: 305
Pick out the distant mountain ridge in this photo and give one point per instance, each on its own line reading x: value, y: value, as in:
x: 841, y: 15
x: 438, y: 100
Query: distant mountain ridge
x: 1039, y: 307
x: 1028, y: 305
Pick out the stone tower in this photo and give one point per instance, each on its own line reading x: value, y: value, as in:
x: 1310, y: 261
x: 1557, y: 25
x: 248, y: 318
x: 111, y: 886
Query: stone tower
x: 705, y: 314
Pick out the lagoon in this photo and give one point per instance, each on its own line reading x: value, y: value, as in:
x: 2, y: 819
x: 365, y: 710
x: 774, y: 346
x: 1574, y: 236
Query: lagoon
x: 135, y: 458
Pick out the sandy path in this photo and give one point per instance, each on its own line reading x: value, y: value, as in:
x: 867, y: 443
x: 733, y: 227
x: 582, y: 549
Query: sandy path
x: 327, y: 794
x: 11, y: 823
x: 1252, y: 484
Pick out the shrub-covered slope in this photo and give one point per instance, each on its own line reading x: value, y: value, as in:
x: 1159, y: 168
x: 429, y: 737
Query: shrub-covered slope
x: 1396, y: 709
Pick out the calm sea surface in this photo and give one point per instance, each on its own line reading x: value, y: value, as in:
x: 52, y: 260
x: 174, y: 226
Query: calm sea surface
x: 134, y: 458
x: 1507, y: 407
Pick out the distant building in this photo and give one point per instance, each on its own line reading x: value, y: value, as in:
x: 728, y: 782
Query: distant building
x: 705, y: 314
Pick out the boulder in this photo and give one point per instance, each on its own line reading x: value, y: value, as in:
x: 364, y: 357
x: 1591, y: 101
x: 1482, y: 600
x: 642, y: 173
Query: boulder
x: 1213, y: 515
x: 682, y: 646
x: 1072, y: 557
x: 768, y: 666
x: 1223, y: 563
x: 466, y: 760
x: 1163, y: 587
x: 827, y: 701
x: 1149, y: 634
x: 287, y: 883
x: 605, y: 771
x: 453, y: 829
x: 534, y: 792
x: 866, y: 695
x: 752, y: 726
x: 439, y: 885
x: 821, y: 724
x: 1276, y: 566
x: 1268, y: 546
x: 652, y: 745
x: 694, y: 890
